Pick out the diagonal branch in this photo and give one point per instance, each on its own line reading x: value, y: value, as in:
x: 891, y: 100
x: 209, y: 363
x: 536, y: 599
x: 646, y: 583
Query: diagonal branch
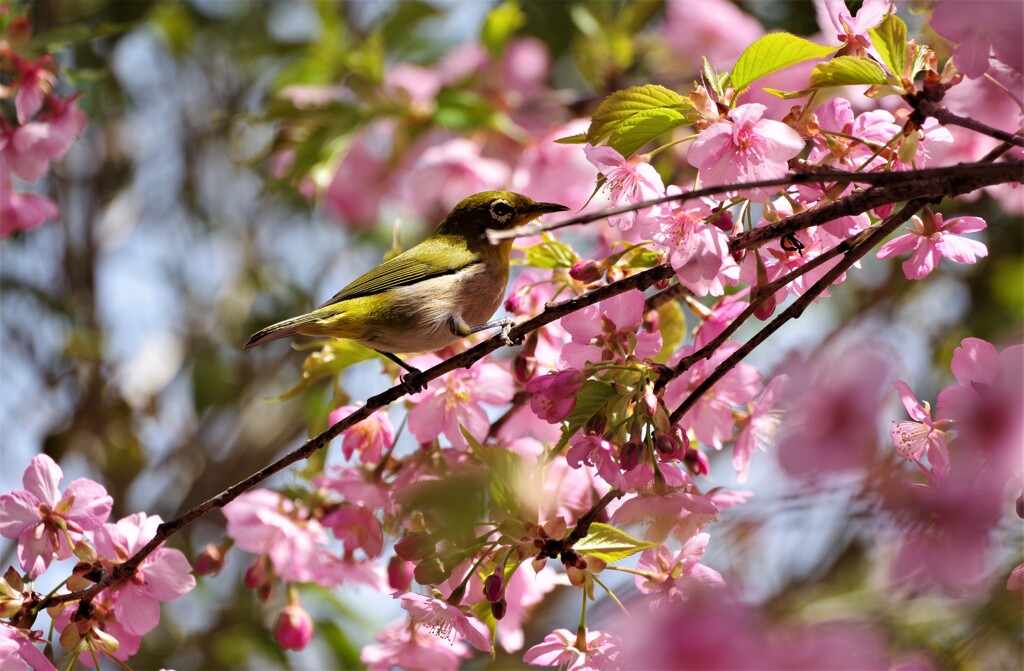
x: 868, y: 241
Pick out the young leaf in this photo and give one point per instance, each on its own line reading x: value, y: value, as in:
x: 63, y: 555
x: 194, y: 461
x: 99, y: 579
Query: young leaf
x: 550, y: 254
x: 504, y: 473
x: 890, y: 39
x: 579, y: 138
x: 328, y: 362
x: 772, y: 53
x: 846, y: 71
x: 632, y: 117
x: 672, y: 324
x: 589, y: 400
x: 501, y: 23
x: 610, y: 544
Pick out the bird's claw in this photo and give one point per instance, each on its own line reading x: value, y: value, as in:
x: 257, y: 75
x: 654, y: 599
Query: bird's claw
x: 411, y: 383
x: 506, y: 329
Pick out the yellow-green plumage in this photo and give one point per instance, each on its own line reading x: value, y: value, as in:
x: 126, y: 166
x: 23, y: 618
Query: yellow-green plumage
x: 424, y: 298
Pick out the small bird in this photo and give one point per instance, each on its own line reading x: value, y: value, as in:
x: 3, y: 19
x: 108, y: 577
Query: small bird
x: 429, y: 296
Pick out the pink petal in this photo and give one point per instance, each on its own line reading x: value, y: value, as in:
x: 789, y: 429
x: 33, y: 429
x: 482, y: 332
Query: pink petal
x: 647, y: 344
x: 910, y: 402
x: 427, y: 420
x: 18, y: 510
x: 42, y: 478
x: 976, y: 360
x: 493, y: 384
x: 473, y: 418
x: 964, y: 225
x: 961, y: 250
x: 625, y: 310
x: 168, y: 575
x: 138, y: 613
x: 897, y: 246
x: 711, y: 146
x: 923, y: 261
x: 779, y: 141
x: 92, y: 504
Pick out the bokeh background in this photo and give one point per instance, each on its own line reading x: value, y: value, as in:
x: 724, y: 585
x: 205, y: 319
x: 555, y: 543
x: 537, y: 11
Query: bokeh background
x: 243, y: 160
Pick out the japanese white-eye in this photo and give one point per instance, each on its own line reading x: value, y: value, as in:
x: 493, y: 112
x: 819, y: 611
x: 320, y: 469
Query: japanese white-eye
x: 430, y: 296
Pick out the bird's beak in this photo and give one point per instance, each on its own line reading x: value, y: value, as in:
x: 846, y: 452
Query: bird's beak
x: 538, y: 209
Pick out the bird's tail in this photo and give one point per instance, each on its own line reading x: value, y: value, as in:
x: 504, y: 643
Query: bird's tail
x: 277, y: 331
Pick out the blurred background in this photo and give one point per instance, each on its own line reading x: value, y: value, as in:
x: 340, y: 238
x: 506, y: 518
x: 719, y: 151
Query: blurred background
x: 244, y: 160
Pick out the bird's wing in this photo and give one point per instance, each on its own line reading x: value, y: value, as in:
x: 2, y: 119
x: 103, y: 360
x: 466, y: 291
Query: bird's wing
x: 425, y: 260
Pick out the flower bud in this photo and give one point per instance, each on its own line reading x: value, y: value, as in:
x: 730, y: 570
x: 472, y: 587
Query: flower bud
x: 498, y: 609
x: 630, y: 454
x: 586, y: 271
x: 493, y: 587
x: 1020, y: 506
x: 294, y: 628
x: 431, y: 571
x: 455, y: 598
x: 399, y: 574
x: 210, y: 561
x: 524, y: 367
x: 696, y: 462
x: 414, y: 546
x: 723, y: 221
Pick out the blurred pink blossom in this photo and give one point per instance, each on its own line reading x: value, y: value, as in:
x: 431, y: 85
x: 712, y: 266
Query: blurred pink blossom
x: 22, y: 211
x: 34, y: 83
x: 264, y: 522
x: 363, y: 177
x: 853, y: 30
x: 745, y: 148
x: 931, y: 238
x: 447, y: 172
x: 830, y: 421
x: 294, y: 628
x: 46, y: 522
x: 759, y: 428
x: 716, y: 29
x: 445, y: 620
x: 552, y: 172
x: 357, y: 528
x: 671, y: 574
x: 981, y: 28
x: 524, y: 591
x: 590, y: 651
x: 369, y: 437
x: 29, y: 149
x: 406, y: 646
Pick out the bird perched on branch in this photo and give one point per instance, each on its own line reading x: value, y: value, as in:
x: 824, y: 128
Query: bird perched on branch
x: 428, y: 297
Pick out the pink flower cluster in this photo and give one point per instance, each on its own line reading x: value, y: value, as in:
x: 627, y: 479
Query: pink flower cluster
x: 43, y: 127
x: 49, y: 524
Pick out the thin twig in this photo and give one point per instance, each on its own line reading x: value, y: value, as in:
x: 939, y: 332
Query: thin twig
x: 947, y: 118
x: 853, y: 255
x: 553, y: 311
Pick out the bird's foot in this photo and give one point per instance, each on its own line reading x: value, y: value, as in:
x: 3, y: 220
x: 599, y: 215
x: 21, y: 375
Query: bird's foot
x: 506, y: 329
x: 411, y: 383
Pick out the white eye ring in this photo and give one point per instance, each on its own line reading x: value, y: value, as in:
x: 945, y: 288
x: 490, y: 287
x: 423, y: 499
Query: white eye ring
x: 501, y: 210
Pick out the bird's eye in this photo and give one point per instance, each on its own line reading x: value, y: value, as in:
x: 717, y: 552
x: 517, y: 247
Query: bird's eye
x: 501, y: 210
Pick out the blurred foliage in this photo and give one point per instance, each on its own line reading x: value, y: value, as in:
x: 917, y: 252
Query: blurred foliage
x: 239, y: 250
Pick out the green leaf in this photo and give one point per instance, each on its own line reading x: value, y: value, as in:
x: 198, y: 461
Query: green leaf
x: 610, y: 544
x: 847, y: 71
x: 772, y: 53
x: 890, y: 39
x: 632, y: 117
x: 590, y: 398
x: 579, y: 138
x: 504, y: 473
x: 501, y: 23
x: 550, y: 254
x: 672, y: 325
x: 462, y: 110
x: 330, y: 360
x: 645, y: 258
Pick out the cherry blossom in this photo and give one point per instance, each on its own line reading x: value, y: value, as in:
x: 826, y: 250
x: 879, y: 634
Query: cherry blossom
x: 745, y: 148
x: 981, y: 28
x: 266, y: 523
x: 406, y: 646
x: 553, y: 396
x: 18, y: 651
x: 357, y: 528
x: 588, y: 651
x: 921, y: 436
x: 165, y: 574
x: 607, y: 331
x: 668, y: 574
x: 627, y: 181
x: 47, y: 523
x: 758, y: 428
x: 853, y: 30
x: 369, y: 437
x: 932, y: 238
x: 454, y: 401
x: 445, y: 620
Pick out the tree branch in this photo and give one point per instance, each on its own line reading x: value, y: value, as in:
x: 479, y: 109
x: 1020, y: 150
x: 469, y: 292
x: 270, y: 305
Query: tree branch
x: 858, y: 250
x: 947, y: 118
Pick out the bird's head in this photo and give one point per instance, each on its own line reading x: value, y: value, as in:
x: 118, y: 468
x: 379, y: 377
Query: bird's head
x: 493, y: 209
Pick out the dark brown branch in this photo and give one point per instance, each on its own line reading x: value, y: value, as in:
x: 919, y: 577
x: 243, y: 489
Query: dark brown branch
x: 858, y: 250
x: 947, y: 118
x: 893, y: 187
x: 552, y: 312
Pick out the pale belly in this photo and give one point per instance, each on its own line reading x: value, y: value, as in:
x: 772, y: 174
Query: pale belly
x: 474, y: 294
